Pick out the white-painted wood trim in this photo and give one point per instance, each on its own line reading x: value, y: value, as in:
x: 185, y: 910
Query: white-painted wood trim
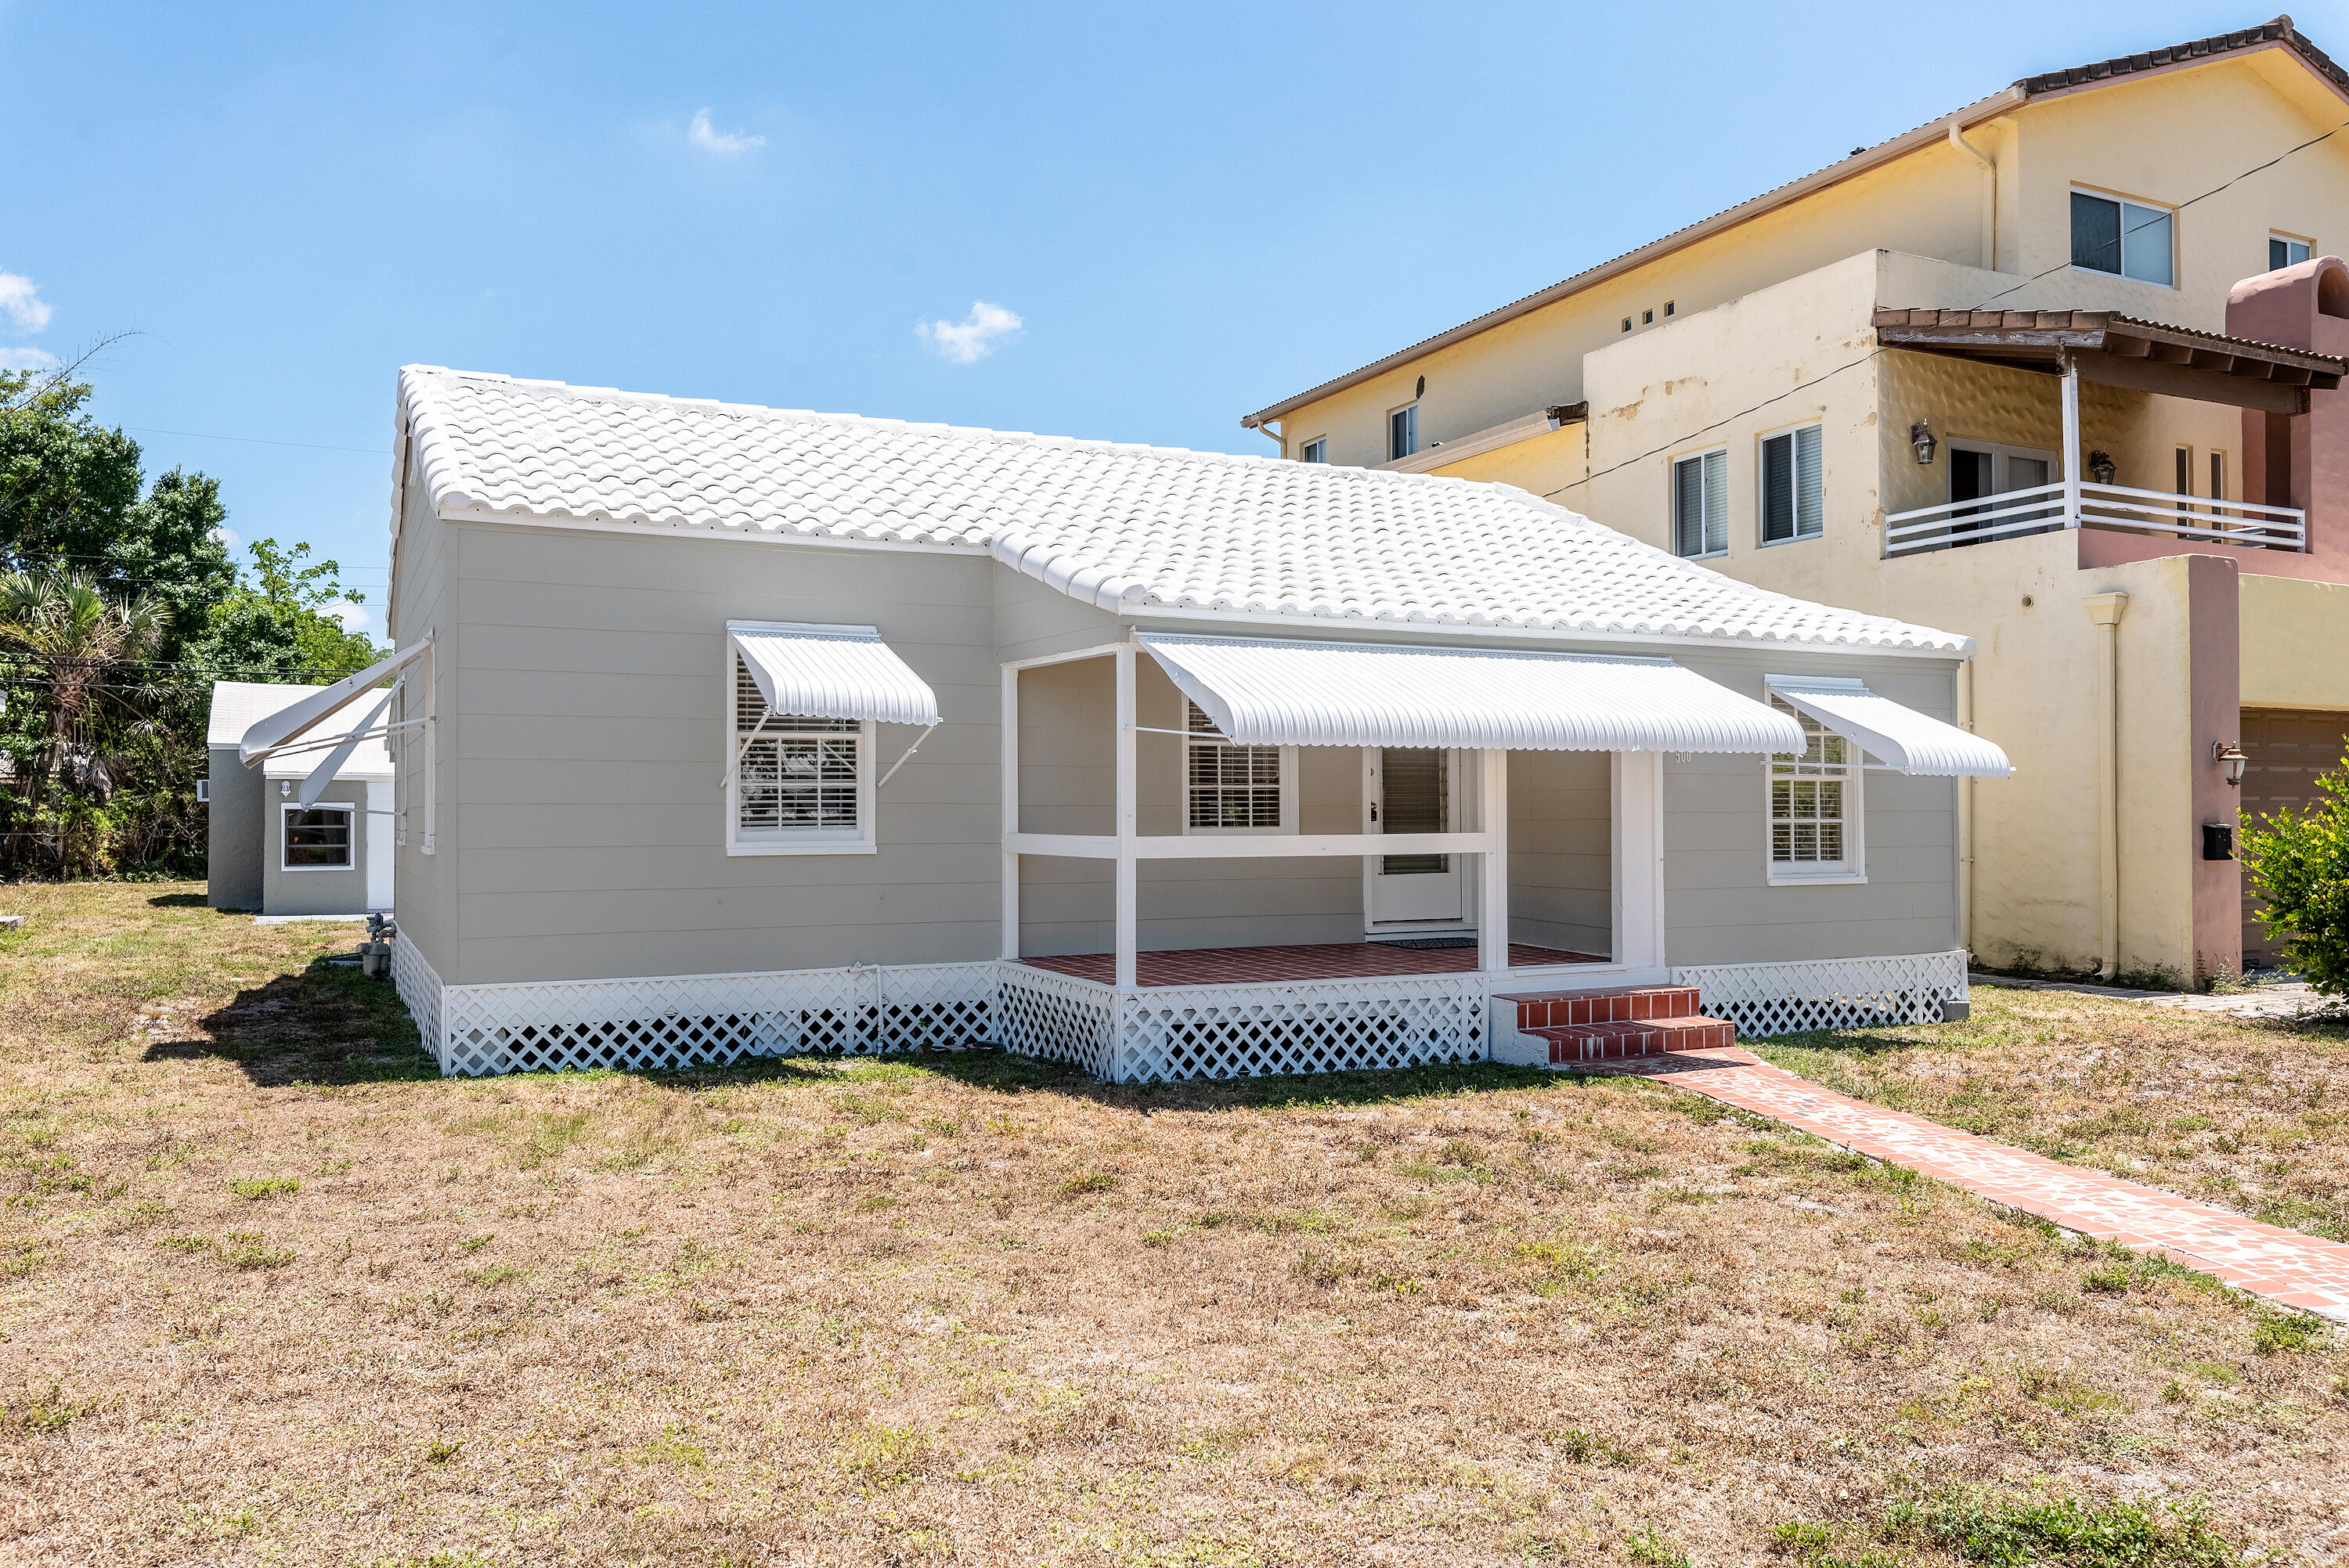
x: 1493, y: 891
x: 1211, y: 847
x: 1638, y: 777
x: 1464, y: 636
x: 1008, y: 750
x: 1128, y: 819
x: 1098, y: 651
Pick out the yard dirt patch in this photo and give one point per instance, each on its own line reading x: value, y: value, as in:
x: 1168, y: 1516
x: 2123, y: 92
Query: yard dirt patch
x: 272, y: 1292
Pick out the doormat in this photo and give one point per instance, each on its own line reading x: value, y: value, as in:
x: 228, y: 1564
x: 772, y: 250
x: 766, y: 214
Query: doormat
x: 1424, y: 943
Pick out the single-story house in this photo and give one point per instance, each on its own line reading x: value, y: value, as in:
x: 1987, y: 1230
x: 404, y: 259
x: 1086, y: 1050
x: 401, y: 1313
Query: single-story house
x: 280, y: 844
x: 726, y: 730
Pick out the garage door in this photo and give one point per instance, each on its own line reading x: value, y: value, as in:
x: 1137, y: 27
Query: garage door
x: 2288, y: 749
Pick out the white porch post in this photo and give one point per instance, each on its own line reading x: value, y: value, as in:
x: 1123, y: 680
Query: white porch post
x: 2072, y: 460
x: 1010, y: 751
x: 1638, y: 900
x: 1493, y: 918
x: 1128, y: 939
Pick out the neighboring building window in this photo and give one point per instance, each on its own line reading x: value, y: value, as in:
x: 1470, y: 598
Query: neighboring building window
x: 2283, y: 251
x: 1701, y: 504
x: 1793, y: 505
x: 317, y: 839
x: 1814, y: 805
x: 2185, y: 470
x: 2109, y: 235
x: 1403, y: 432
x: 1229, y: 788
x: 799, y: 785
x: 1316, y: 450
x: 2218, y: 476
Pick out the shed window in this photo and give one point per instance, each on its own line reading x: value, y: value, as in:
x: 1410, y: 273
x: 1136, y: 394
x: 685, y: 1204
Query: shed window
x: 2109, y: 235
x: 1231, y: 789
x: 1701, y: 505
x: 1814, y: 803
x: 798, y: 782
x: 1793, y: 505
x: 317, y: 839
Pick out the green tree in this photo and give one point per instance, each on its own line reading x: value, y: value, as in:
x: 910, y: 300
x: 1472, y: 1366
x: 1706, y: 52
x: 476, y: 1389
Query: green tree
x: 278, y: 626
x: 2300, y: 868
x: 72, y: 500
x: 70, y: 638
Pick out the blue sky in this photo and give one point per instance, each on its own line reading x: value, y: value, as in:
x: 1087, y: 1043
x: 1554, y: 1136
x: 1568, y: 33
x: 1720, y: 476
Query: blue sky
x: 1190, y: 212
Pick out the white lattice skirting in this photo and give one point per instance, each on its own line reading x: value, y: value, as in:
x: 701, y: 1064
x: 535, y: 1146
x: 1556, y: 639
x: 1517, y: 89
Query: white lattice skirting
x: 1158, y: 1035
x: 1829, y: 993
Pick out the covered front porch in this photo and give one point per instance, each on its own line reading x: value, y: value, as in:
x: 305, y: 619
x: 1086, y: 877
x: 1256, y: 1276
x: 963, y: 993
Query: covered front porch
x: 1308, y: 961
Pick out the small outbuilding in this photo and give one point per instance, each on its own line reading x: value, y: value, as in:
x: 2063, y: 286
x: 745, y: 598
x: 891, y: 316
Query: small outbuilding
x: 272, y: 850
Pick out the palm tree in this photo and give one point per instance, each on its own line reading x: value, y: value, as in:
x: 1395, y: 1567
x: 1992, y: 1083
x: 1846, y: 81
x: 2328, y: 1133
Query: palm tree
x: 70, y: 637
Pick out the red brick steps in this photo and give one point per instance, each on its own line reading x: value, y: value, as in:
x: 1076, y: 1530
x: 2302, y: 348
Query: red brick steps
x: 1561, y: 1028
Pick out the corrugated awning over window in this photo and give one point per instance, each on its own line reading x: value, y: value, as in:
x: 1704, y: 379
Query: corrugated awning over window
x: 1900, y: 737
x: 1260, y: 692
x: 832, y: 672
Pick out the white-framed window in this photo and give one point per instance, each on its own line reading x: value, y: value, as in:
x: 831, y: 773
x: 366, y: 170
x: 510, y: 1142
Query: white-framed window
x: 2126, y: 239
x: 2285, y: 251
x: 1793, y: 500
x: 316, y: 838
x: 798, y: 786
x: 203, y: 792
x: 1814, y: 805
x: 1403, y: 431
x: 2218, y: 474
x: 1229, y: 788
x: 1701, y: 504
x: 1316, y: 450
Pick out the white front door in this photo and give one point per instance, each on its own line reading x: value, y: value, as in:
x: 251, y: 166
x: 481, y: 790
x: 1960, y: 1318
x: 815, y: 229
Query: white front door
x: 1411, y: 792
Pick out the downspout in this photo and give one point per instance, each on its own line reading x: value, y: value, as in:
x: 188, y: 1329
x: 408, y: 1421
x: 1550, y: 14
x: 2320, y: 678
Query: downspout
x: 1990, y: 196
x: 1266, y: 429
x: 2105, y: 611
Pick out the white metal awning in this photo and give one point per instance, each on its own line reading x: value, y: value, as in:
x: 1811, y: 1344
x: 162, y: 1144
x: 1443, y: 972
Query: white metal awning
x: 1899, y: 737
x: 1260, y: 692
x: 832, y: 672
x: 281, y: 729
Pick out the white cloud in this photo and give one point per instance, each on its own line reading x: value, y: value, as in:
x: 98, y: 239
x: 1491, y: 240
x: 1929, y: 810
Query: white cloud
x: 353, y: 617
x: 21, y: 303
x: 28, y: 359
x: 725, y: 143
x: 229, y: 539
x: 974, y: 337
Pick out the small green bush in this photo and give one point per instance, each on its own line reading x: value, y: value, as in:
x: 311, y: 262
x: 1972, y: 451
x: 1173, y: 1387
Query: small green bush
x: 2299, y: 864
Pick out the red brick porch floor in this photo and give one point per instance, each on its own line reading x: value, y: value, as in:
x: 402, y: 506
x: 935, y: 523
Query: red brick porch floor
x: 2287, y: 1267
x: 1324, y: 961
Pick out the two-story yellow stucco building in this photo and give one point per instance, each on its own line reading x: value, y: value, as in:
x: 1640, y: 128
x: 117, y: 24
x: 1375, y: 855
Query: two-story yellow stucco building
x: 2059, y: 370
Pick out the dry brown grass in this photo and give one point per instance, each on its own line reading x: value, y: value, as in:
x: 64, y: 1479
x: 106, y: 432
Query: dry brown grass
x: 2250, y: 1115
x: 964, y: 1309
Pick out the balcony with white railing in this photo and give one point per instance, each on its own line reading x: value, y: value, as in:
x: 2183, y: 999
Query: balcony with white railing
x: 2043, y: 509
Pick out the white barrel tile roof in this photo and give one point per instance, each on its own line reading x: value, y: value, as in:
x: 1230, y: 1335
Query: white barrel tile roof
x: 1130, y: 528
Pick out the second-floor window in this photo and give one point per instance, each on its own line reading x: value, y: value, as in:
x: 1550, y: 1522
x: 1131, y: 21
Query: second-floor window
x: 1403, y: 432
x: 1701, y: 504
x: 1792, y: 501
x: 1314, y: 451
x: 2283, y: 251
x: 2130, y: 240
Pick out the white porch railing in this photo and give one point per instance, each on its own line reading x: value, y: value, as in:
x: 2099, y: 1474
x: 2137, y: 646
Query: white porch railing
x: 2044, y: 507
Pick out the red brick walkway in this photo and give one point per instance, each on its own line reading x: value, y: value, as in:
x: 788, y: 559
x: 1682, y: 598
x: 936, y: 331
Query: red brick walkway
x: 2284, y: 1266
x: 1319, y: 961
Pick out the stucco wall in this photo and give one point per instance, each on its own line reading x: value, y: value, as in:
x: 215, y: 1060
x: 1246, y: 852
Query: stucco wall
x: 232, y: 834
x: 2295, y: 643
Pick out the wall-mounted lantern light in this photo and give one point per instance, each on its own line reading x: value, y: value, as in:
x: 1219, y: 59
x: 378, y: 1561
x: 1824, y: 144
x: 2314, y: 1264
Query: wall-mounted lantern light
x: 2230, y: 759
x: 1921, y: 435
x: 2102, y: 466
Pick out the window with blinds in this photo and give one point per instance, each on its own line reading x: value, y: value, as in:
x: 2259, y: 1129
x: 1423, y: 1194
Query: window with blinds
x: 1794, y: 501
x: 796, y: 781
x: 1701, y: 504
x: 1813, y: 804
x: 1228, y: 787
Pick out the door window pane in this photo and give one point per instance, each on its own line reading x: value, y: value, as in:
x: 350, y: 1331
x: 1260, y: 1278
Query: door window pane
x: 1414, y: 799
